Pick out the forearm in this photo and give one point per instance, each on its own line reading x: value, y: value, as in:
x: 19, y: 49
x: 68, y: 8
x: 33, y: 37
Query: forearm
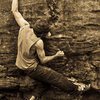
x: 48, y: 58
x: 41, y: 53
x: 14, y: 6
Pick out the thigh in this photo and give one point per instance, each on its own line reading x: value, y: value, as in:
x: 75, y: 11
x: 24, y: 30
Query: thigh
x: 45, y: 74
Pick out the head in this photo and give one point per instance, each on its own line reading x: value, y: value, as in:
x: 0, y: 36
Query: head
x: 41, y: 28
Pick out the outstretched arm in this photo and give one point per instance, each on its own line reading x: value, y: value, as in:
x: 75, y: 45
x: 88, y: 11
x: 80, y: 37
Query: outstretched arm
x: 41, y: 53
x: 18, y: 17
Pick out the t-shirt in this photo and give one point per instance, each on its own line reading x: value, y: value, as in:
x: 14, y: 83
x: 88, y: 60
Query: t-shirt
x: 26, y: 39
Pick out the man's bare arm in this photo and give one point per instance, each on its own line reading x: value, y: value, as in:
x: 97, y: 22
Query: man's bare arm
x: 18, y: 17
x: 41, y: 53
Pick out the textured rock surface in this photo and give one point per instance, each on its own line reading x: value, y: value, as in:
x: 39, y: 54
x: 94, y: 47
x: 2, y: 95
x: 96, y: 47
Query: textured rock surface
x: 75, y: 30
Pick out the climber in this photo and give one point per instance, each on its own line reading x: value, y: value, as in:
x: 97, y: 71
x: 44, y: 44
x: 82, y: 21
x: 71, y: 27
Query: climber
x: 31, y: 55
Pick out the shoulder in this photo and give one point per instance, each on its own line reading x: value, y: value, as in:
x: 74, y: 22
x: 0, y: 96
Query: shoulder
x: 39, y: 44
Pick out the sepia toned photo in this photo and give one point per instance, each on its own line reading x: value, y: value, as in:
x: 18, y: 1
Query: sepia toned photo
x: 49, y: 49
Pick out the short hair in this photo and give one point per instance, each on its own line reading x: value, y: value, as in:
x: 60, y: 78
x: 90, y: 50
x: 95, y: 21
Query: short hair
x: 41, y: 27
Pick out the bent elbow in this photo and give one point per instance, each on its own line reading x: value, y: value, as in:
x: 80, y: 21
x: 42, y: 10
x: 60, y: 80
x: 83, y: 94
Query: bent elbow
x: 14, y: 11
x: 43, y: 61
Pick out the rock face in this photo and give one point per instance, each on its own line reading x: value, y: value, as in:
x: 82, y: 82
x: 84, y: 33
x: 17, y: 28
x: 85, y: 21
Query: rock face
x: 78, y: 29
x: 75, y: 30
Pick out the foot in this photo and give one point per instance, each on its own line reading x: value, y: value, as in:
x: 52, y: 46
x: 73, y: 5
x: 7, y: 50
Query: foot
x: 82, y: 87
x: 32, y: 98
